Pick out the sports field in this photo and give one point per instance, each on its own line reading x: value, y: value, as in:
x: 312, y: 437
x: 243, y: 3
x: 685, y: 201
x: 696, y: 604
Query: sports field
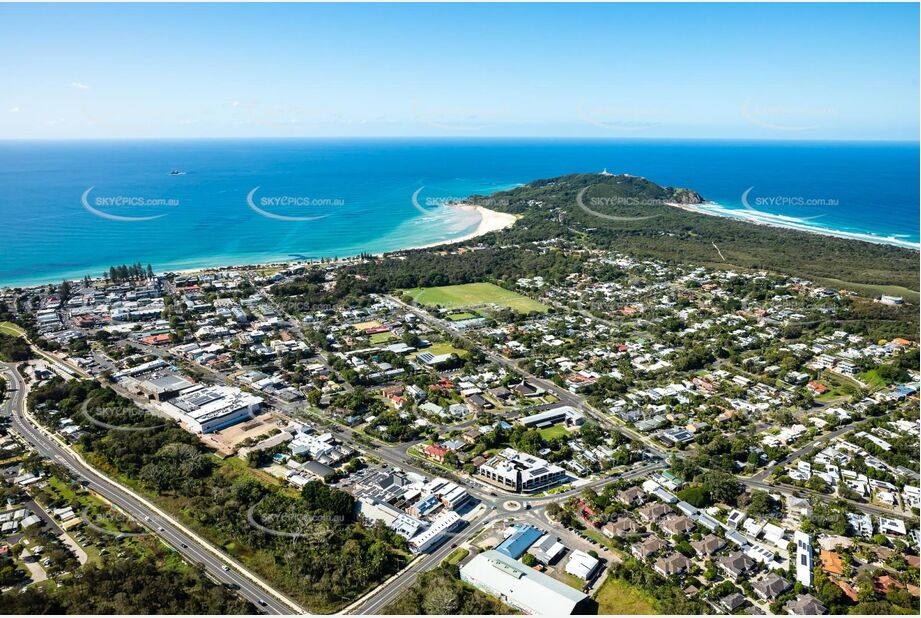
x: 474, y: 295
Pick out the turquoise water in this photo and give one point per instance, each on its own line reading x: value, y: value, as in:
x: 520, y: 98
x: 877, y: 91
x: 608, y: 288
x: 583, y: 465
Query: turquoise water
x: 75, y: 208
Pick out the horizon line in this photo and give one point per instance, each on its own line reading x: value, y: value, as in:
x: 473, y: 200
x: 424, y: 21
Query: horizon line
x: 464, y: 138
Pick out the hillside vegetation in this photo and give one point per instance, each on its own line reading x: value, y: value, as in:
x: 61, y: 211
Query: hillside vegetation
x: 550, y: 209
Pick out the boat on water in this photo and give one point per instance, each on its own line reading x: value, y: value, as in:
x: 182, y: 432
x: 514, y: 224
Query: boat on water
x: 177, y: 173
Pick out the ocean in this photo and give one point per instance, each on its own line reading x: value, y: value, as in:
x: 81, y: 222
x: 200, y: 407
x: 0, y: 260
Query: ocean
x: 77, y: 207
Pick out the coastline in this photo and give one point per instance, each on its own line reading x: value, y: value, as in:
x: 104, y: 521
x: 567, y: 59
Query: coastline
x: 490, y: 221
x: 756, y: 217
x: 493, y: 221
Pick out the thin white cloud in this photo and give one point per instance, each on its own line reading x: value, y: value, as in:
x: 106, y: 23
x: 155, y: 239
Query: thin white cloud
x: 14, y: 109
x: 79, y: 85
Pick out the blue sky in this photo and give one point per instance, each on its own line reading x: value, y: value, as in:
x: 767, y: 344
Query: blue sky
x: 824, y: 71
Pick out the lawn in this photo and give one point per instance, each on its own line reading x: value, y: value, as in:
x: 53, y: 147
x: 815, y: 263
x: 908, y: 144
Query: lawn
x: 873, y: 379
x: 474, y: 295
x: 464, y: 315
x: 379, y: 338
x: 552, y: 432
x: 457, y: 555
x: 618, y: 597
x: 8, y: 328
x: 441, y: 347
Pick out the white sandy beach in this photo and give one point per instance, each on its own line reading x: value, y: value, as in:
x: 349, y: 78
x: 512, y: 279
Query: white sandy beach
x: 490, y: 221
x: 771, y: 220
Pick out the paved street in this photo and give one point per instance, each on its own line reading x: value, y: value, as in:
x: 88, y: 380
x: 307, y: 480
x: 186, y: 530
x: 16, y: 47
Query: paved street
x: 189, y: 545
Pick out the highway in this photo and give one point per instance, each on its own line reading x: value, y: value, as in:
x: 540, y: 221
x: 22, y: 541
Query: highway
x: 186, y: 543
x: 384, y: 595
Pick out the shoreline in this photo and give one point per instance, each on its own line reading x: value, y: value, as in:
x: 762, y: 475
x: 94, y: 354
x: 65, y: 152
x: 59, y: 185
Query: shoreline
x: 490, y: 221
x: 493, y: 221
x: 757, y: 217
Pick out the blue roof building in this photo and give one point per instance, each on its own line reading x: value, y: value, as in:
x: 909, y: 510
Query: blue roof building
x: 519, y: 542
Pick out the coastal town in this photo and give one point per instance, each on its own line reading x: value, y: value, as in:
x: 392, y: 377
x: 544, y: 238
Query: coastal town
x: 637, y: 437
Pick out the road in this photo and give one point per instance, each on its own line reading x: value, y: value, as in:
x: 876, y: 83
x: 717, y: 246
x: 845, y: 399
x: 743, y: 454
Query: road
x: 565, y: 396
x: 386, y: 594
x: 496, y: 511
x: 789, y: 490
x: 190, y: 546
x: 760, y: 476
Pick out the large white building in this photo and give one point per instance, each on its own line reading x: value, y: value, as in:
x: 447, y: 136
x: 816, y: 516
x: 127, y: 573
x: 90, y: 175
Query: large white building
x: 803, y: 558
x: 441, y: 525
x: 581, y: 565
x: 519, y: 471
x: 204, y: 409
x: 520, y: 586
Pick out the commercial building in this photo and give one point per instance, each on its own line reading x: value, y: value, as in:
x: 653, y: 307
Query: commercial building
x: 518, y: 542
x: 521, y: 587
x: 165, y: 387
x: 581, y: 565
x: 372, y: 510
x: 547, y: 549
x: 563, y: 414
x: 207, y: 409
x: 441, y: 526
x: 511, y: 469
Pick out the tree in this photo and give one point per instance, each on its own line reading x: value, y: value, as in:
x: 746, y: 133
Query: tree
x: 695, y: 495
x: 761, y: 503
x: 723, y: 487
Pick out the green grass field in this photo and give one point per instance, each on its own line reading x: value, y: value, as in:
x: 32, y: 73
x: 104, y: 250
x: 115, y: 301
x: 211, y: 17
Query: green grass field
x: 873, y: 379
x: 618, y: 597
x: 474, y: 295
x: 8, y: 328
x: 464, y: 315
x: 379, y: 338
x: 457, y: 555
x: 866, y: 289
x: 441, y: 347
x: 554, y: 431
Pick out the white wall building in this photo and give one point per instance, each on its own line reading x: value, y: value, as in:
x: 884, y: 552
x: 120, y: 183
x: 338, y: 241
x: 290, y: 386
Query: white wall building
x: 803, y: 558
x: 204, y: 409
x: 520, y: 586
